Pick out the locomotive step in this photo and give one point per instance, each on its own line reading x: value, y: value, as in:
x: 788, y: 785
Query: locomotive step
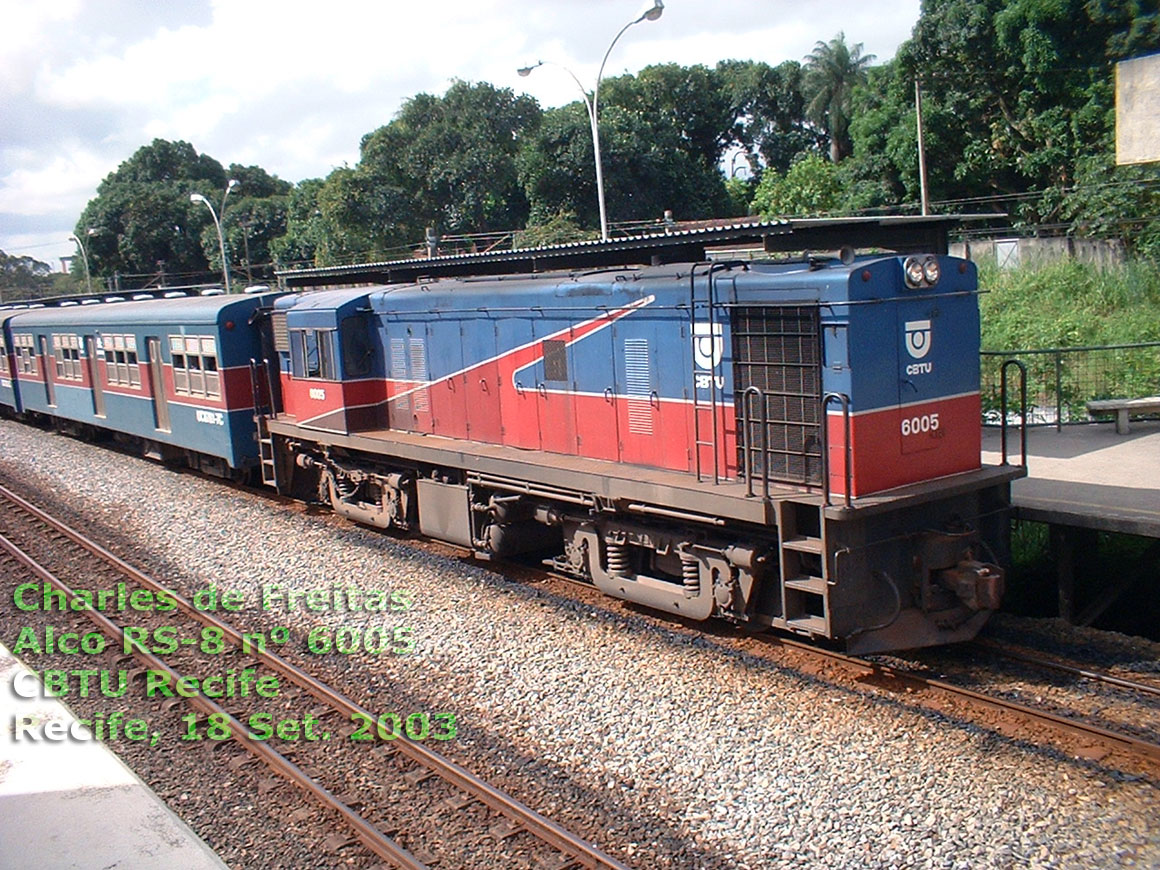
x: 811, y: 624
x: 804, y: 544
x: 805, y: 583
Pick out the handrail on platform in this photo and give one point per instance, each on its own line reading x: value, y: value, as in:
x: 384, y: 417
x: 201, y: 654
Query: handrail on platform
x: 1022, y: 410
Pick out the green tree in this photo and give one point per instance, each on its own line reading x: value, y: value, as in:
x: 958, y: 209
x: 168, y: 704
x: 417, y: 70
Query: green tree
x: 646, y: 169
x: 662, y: 134
x: 768, y: 113
x: 23, y: 277
x: 447, y: 162
x: 810, y: 187
x: 832, y: 71
x: 688, y: 101
x: 254, y: 217
x: 1110, y: 201
x: 143, y: 222
x: 142, y: 218
x: 1016, y: 92
x: 306, y: 228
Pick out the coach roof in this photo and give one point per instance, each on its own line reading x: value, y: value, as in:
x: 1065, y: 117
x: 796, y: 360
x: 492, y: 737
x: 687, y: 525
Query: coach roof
x: 191, y: 310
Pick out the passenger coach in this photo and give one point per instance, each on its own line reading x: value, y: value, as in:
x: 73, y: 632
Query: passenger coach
x: 170, y: 374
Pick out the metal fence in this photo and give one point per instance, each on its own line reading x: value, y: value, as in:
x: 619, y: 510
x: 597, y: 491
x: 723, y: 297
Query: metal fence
x: 1061, y: 380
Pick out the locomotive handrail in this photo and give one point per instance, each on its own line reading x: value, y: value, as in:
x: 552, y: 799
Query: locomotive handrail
x: 711, y: 304
x: 746, y: 422
x: 1022, y: 409
x: 844, y: 401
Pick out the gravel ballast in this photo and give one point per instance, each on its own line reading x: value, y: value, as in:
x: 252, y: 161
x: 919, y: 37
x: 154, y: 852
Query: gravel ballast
x: 667, y: 749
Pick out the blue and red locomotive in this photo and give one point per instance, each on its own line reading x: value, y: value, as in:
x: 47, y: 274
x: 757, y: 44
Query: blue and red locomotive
x: 789, y: 444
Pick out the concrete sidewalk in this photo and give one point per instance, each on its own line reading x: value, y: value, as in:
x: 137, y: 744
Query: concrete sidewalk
x: 74, y: 804
x: 1087, y: 476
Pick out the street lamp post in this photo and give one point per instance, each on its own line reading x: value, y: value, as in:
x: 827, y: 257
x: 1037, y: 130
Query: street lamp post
x: 85, y: 258
x: 197, y: 197
x: 650, y: 14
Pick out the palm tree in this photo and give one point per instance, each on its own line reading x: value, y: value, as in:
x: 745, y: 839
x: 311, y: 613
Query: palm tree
x: 831, y: 72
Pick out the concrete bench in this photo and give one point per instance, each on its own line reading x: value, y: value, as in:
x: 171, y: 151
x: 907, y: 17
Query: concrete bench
x: 1123, y: 407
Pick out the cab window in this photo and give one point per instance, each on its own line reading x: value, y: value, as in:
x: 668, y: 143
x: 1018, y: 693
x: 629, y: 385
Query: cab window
x: 312, y: 354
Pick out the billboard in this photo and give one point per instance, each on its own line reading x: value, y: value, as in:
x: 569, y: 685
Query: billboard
x: 1138, y: 110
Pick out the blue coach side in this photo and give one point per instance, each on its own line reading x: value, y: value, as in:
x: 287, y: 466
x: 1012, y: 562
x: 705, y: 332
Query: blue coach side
x: 173, y: 373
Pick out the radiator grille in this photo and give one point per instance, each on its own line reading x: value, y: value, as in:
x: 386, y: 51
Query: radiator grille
x: 777, y: 350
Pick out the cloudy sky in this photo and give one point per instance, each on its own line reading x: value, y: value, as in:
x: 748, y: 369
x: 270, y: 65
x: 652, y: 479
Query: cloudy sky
x: 292, y: 85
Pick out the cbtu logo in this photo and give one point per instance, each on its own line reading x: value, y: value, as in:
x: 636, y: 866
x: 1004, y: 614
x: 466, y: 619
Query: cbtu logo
x: 708, y: 345
x: 918, y: 338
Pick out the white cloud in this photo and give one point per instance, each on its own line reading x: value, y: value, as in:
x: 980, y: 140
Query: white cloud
x: 292, y: 85
x: 38, y: 187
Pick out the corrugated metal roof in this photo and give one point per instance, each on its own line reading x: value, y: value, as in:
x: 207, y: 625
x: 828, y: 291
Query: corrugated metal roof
x: 895, y: 232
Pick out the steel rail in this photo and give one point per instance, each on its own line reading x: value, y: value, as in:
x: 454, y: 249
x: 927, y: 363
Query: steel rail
x: 368, y: 834
x: 1074, y: 670
x: 584, y: 853
x: 1115, y: 739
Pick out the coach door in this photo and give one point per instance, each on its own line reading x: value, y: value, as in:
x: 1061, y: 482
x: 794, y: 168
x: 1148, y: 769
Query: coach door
x: 95, y: 376
x: 157, y: 382
x: 47, y: 360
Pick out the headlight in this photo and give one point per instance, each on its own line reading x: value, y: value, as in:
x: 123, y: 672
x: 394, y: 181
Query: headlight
x: 914, y: 272
x: 931, y: 271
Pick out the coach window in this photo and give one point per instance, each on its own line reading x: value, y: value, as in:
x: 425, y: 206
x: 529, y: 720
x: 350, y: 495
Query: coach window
x: 122, y: 368
x: 66, y: 350
x: 4, y: 359
x: 25, y: 353
x: 195, y: 366
x: 312, y: 354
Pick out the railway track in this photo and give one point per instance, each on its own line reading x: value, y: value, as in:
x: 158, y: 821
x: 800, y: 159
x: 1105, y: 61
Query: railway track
x: 898, y: 678
x: 911, y: 680
x: 1076, y: 671
x: 506, y: 817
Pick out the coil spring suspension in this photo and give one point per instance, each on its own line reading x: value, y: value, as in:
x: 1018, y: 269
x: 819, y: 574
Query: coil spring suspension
x: 618, y: 564
x: 690, y: 574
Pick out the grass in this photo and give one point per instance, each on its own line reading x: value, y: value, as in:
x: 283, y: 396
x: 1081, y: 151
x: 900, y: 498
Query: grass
x: 1069, y: 304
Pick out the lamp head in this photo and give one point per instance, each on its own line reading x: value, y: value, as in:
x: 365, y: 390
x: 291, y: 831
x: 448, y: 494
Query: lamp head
x: 197, y: 197
x: 654, y: 12
x: 231, y: 184
x: 526, y: 71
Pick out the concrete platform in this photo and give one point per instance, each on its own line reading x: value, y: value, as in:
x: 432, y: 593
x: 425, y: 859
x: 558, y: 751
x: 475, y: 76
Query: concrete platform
x: 1088, y: 476
x: 73, y: 804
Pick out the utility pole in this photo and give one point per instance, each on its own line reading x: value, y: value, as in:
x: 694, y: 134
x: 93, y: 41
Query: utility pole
x: 921, y: 148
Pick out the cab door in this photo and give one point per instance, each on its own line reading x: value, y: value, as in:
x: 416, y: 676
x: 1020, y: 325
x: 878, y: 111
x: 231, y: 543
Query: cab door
x: 638, y: 380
